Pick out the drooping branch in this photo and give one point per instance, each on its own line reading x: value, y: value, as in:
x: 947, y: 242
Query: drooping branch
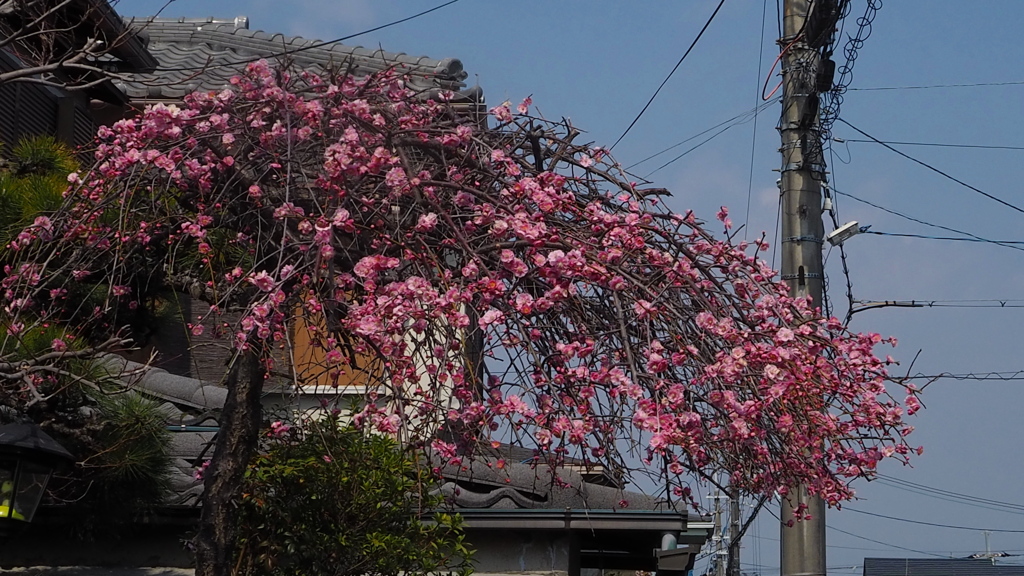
x: 391, y: 231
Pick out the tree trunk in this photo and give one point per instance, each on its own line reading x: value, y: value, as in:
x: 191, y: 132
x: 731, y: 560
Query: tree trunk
x: 236, y: 444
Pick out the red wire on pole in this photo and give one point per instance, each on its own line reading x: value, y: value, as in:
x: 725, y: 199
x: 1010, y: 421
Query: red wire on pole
x: 774, y: 64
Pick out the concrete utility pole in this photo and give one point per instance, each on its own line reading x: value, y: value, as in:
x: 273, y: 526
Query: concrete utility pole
x: 718, y: 537
x: 734, y: 535
x: 803, y: 544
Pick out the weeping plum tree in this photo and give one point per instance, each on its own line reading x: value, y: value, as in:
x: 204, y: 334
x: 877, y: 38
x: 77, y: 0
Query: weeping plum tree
x: 501, y: 283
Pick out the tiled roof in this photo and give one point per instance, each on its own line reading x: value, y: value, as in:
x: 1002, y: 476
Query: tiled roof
x: 481, y: 484
x: 524, y: 481
x: 203, y: 54
x: 938, y: 567
x: 190, y: 407
x: 178, y: 390
x: 186, y: 449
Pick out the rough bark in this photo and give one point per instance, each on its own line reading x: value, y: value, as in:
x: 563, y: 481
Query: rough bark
x: 236, y: 444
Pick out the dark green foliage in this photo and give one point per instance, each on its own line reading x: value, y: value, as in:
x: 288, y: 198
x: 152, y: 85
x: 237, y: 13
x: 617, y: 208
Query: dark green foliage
x: 123, y: 472
x: 338, y: 502
x: 32, y: 182
x: 134, y: 459
x: 119, y: 437
x: 44, y: 155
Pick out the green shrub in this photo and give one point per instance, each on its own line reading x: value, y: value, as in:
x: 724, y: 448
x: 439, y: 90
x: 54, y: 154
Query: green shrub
x: 337, y: 502
x: 124, y: 470
x: 32, y: 182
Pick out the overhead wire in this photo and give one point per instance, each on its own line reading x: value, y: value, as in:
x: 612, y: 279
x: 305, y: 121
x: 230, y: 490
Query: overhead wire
x: 778, y: 15
x: 953, y: 500
x: 933, y: 524
x: 858, y: 306
x: 741, y: 118
x: 936, y: 144
x: 701, y: 143
x: 753, y: 136
x: 828, y: 545
x: 949, y: 495
x: 887, y: 544
x: 971, y: 376
x: 674, y: 68
x: 945, y: 238
x: 778, y: 59
x: 930, y: 86
x: 865, y: 538
x: 695, y: 147
x: 872, y: 304
x: 934, y: 169
x: 923, y: 222
x: 318, y: 44
x: 830, y: 569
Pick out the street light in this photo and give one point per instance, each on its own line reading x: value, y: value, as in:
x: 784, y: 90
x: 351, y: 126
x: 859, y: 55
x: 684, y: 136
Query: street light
x: 28, y: 456
x: 845, y: 232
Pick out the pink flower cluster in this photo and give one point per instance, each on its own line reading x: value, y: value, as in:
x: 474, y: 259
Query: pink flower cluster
x: 412, y: 246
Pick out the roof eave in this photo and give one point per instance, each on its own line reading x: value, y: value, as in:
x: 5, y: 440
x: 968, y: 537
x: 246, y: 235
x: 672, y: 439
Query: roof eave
x: 128, y: 45
x: 573, y: 519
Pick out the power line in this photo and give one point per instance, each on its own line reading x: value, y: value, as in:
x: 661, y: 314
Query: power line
x: 983, y: 147
x: 858, y: 306
x: 887, y: 544
x: 950, y: 493
x: 674, y: 68
x: 947, y: 238
x: 970, y: 376
x: 934, y: 169
x: 754, y: 112
x: 753, y: 136
x: 919, y: 221
x: 865, y: 538
x: 941, y: 303
x: 833, y: 545
x: 736, y: 120
x: 830, y: 568
x: 688, y: 150
x: 977, y: 377
x: 935, y: 524
x: 745, y: 116
x: 308, y: 46
x: 938, y: 495
x: 877, y: 88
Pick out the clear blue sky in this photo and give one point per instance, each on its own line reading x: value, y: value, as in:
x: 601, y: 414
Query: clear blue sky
x: 598, y: 62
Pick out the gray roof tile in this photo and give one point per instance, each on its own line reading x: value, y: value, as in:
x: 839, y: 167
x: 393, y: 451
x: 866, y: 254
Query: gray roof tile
x: 191, y: 445
x: 156, y: 382
x: 481, y: 484
x: 203, y: 54
x: 185, y: 489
